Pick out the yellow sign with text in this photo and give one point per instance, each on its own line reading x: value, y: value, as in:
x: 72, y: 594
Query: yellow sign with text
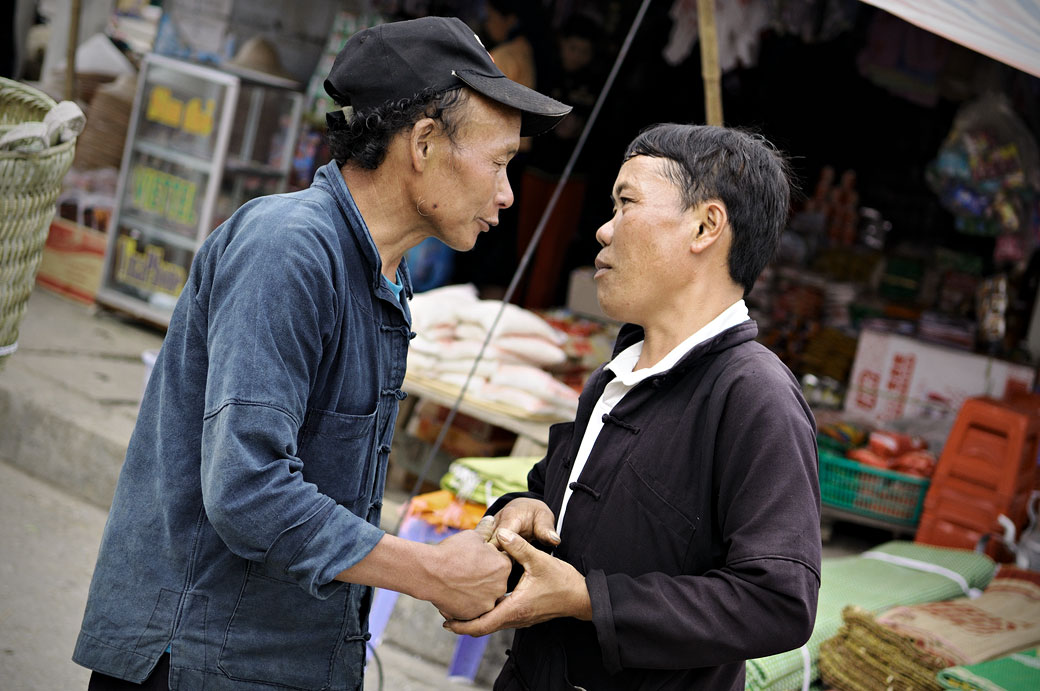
x: 148, y: 270
x: 194, y: 117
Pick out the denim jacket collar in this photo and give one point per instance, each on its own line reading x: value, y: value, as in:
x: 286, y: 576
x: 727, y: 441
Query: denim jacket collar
x: 330, y: 178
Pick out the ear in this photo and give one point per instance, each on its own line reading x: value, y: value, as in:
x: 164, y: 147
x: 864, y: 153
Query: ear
x: 420, y: 141
x: 711, y: 220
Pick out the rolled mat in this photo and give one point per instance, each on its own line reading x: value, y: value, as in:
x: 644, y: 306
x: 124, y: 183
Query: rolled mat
x: 907, y: 646
x: 874, y: 585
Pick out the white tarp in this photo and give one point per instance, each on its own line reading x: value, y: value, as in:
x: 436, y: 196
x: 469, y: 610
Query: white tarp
x: 1006, y: 30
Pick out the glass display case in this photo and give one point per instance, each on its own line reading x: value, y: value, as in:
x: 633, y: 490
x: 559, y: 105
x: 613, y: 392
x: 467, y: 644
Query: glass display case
x: 201, y: 142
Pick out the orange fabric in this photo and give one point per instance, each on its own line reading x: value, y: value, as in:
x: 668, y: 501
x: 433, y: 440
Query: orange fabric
x: 443, y: 509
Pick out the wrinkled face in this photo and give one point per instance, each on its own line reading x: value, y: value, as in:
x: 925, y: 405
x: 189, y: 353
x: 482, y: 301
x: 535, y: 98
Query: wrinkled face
x: 468, y: 184
x: 645, y: 243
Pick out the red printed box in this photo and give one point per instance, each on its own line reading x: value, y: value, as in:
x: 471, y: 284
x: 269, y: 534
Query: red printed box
x: 895, y: 376
x: 72, y: 260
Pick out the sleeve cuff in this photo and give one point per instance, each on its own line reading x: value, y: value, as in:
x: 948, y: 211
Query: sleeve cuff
x: 339, y: 540
x: 603, y: 620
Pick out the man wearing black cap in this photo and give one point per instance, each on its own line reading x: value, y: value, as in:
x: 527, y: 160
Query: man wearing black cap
x: 243, y: 540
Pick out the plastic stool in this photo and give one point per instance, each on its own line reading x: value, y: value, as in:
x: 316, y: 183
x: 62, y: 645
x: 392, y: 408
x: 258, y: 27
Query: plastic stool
x: 987, y: 468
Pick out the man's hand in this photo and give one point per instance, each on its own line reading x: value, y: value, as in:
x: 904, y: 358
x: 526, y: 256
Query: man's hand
x: 471, y: 574
x: 528, y: 518
x: 549, y: 588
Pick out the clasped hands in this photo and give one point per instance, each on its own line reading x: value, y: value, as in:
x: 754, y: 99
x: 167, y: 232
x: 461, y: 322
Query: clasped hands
x: 549, y: 587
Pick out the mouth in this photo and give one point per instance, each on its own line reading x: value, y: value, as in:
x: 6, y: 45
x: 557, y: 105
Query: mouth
x: 601, y: 267
x: 486, y: 224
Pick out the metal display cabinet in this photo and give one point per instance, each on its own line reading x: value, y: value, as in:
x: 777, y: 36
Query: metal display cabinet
x: 201, y: 142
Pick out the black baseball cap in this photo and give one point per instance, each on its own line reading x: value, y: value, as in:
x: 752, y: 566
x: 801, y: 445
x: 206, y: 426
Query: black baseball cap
x: 397, y: 60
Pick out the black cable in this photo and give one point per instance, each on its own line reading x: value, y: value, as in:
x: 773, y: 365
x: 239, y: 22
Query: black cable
x: 528, y: 253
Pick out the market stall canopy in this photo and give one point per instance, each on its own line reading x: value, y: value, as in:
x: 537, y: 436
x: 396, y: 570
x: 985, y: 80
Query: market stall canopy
x: 1006, y: 30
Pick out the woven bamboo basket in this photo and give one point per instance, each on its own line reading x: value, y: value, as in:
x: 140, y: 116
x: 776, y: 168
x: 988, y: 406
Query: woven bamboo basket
x: 29, y: 187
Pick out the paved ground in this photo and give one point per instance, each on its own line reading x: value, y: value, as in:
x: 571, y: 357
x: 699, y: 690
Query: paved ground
x: 48, y: 543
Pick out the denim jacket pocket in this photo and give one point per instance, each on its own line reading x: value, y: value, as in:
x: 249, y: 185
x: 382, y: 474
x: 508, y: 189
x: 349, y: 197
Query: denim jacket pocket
x: 337, y: 451
x: 280, y: 635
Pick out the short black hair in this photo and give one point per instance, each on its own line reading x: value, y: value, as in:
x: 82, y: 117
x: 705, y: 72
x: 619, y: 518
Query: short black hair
x: 365, y: 139
x: 740, y: 168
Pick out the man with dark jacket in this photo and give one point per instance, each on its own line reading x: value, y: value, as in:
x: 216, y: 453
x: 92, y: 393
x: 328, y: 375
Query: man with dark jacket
x: 682, y: 506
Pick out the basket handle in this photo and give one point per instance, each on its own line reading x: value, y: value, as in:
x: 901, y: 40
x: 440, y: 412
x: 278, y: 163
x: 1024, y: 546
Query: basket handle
x: 61, y: 123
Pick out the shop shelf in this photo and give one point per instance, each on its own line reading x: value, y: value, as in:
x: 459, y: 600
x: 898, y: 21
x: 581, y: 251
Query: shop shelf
x: 876, y: 493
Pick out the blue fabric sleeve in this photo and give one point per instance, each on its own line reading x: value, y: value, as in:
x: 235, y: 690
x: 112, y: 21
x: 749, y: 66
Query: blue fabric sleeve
x: 269, y: 314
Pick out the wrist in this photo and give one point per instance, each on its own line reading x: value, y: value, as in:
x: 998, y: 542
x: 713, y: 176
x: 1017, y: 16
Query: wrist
x: 583, y: 602
x: 424, y: 572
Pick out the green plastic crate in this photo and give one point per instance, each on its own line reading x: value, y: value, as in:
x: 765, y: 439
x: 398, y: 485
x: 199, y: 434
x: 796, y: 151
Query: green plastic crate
x: 874, y: 492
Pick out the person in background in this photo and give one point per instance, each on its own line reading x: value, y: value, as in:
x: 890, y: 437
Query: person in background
x: 682, y: 506
x: 243, y: 540
x: 511, y: 49
x: 577, y: 81
x: 510, y: 28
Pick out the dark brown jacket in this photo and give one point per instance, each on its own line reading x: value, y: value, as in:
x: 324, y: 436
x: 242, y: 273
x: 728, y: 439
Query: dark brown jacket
x: 696, y: 522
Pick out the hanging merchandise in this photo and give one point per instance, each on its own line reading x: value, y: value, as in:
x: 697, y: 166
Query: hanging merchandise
x: 739, y: 25
x: 814, y: 21
x: 987, y: 174
x: 903, y: 59
x: 991, y: 310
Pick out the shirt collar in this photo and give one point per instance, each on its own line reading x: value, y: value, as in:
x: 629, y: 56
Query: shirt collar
x: 622, y: 365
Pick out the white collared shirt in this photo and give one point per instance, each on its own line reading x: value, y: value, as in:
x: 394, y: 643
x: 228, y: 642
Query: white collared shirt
x: 626, y: 377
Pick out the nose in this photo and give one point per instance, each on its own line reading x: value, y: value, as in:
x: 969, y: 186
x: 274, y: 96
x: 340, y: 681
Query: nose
x: 504, y: 193
x: 605, y: 233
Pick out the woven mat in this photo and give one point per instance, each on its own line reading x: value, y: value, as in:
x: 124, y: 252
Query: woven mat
x: 874, y: 586
x: 962, y: 631
x: 907, y: 646
x: 1012, y: 672
x: 865, y: 656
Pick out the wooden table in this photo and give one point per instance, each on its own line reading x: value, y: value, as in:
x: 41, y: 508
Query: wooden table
x: 532, y: 431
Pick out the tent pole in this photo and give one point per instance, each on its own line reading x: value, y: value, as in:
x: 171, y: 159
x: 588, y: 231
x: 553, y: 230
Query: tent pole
x: 70, y: 51
x: 710, y: 62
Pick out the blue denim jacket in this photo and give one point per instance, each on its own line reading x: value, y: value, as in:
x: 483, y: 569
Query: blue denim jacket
x: 255, y: 472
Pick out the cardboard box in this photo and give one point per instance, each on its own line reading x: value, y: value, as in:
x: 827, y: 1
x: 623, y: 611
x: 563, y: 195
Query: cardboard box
x: 896, y: 376
x: 73, y: 257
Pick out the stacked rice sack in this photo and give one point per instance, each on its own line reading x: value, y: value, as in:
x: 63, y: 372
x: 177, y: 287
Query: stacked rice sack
x: 452, y: 324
